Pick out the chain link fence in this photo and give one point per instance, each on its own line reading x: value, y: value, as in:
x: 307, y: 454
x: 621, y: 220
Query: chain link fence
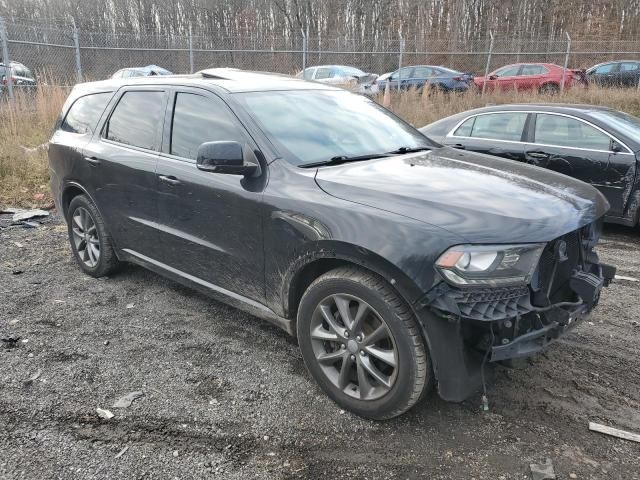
x: 64, y: 55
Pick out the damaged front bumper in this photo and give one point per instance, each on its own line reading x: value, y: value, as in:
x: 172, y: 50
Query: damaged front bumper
x: 469, y: 327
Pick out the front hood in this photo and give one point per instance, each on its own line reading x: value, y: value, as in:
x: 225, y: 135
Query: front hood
x: 483, y: 199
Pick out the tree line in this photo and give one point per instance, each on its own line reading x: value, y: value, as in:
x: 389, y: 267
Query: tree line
x: 451, y: 20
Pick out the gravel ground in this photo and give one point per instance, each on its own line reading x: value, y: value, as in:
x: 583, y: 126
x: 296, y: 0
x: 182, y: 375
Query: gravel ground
x: 227, y: 396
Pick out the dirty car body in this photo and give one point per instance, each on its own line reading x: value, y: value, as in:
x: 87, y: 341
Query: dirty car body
x: 597, y: 145
x: 492, y: 259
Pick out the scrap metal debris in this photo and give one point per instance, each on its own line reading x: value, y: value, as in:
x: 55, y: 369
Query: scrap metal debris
x: 628, y: 279
x: 21, y: 215
x: 10, y: 342
x: 614, y: 432
x: 542, y: 471
x: 106, y: 414
x: 122, y: 452
x: 128, y: 399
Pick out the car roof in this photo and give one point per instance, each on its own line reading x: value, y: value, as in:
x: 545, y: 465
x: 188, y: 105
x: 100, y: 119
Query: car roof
x: 549, y: 107
x: 333, y: 66
x: 231, y: 80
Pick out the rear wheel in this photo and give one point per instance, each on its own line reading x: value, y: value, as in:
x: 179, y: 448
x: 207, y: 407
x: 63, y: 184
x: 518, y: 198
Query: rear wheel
x: 361, y: 343
x: 90, y: 241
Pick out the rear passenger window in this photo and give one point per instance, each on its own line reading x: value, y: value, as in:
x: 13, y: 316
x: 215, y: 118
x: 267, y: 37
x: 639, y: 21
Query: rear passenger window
x: 84, y: 114
x: 198, y: 119
x: 137, y: 119
x: 499, y: 126
x: 322, y: 73
x: 424, y: 72
x: 569, y: 132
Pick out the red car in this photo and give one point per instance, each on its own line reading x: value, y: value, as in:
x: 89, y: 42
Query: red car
x: 543, y: 77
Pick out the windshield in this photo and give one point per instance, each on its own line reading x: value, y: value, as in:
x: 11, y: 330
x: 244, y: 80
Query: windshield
x: 626, y: 124
x: 309, y: 126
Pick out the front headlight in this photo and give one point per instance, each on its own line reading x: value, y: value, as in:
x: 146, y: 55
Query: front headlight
x: 490, y: 265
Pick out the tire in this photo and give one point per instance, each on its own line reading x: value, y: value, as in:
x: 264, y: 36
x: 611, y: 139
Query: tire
x: 346, y: 359
x: 549, y: 89
x: 89, y: 239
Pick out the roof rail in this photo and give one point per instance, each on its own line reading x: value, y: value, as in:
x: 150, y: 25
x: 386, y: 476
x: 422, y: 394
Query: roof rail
x: 226, y: 73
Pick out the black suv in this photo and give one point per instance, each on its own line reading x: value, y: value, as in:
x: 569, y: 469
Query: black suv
x: 398, y: 264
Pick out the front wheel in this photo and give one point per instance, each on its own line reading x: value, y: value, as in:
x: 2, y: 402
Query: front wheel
x: 362, y: 345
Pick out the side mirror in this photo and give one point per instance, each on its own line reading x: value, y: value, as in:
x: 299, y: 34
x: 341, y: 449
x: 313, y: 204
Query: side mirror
x: 230, y: 158
x: 492, y: 77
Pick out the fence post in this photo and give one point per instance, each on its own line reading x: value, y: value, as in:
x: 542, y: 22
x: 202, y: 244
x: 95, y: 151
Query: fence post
x: 566, y: 61
x: 486, y: 68
x: 76, y: 44
x: 304, y: 49
x: 4, y: 40
x: 190, y: 50
x: 400, y: 57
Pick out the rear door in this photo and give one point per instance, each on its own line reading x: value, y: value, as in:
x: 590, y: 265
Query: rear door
x: 420, y: 76
x: 531, y: 77
x: 210, y: 224
x: 499, y: 134
x: 124, y: 158
x: 629, y: 74
x: 579, y: 149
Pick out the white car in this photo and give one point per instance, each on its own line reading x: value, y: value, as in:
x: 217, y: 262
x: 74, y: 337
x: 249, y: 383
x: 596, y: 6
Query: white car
x: 350, y: 77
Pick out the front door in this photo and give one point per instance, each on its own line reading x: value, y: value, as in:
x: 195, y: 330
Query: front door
x: 578, y: 149
x: 124, y: 158
x: 210, y: 224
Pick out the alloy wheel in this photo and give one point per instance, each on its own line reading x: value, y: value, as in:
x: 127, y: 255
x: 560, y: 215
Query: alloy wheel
x: 354, y: 347
x: 85, y: 237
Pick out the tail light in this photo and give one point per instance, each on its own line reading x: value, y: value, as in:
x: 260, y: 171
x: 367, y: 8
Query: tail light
x: 457, y: 79
x: 5, y: 81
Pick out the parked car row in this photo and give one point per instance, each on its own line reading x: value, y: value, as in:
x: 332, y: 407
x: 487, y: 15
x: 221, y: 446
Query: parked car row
x: 542, y: 77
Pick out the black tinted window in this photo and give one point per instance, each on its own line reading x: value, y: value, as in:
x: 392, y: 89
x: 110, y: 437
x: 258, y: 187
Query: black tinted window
x: 137, y: 119
x: 85, y: 112
x: 569, y: 132
x: 198, y: 119
x: 499, y: 126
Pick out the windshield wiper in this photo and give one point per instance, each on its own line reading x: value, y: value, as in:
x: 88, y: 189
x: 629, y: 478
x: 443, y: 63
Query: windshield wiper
x: 337, y: 160
x: 402, y: 150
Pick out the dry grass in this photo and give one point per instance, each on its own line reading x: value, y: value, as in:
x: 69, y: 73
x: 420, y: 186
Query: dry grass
x: 422, y: 109
x: 25, y: 127
x: 26, y: 123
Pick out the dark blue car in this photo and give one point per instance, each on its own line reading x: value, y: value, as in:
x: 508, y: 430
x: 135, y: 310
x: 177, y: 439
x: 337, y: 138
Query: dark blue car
x: 417, y: 76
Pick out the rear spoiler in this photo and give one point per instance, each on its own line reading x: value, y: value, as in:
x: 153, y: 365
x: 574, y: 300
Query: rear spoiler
x: 365, y: 78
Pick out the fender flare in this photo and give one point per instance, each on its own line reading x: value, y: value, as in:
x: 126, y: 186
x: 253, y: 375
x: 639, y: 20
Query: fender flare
x: 348, y: 253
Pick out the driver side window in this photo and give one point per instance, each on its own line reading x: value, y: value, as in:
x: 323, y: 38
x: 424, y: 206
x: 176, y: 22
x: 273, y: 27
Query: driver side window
x: 198, y: 119
x: 510, y: 71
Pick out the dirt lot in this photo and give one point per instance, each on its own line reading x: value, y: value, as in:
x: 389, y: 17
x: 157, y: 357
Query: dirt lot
x: 227, y: 396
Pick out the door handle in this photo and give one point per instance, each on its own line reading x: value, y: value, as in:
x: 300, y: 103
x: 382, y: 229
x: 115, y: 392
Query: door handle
x: 170, y: 179
x: 540, y: 155
x: 95, y: 161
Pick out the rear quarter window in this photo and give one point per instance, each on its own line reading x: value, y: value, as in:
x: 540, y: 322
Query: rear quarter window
x: 85, y: 112
x: 137, y: 119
